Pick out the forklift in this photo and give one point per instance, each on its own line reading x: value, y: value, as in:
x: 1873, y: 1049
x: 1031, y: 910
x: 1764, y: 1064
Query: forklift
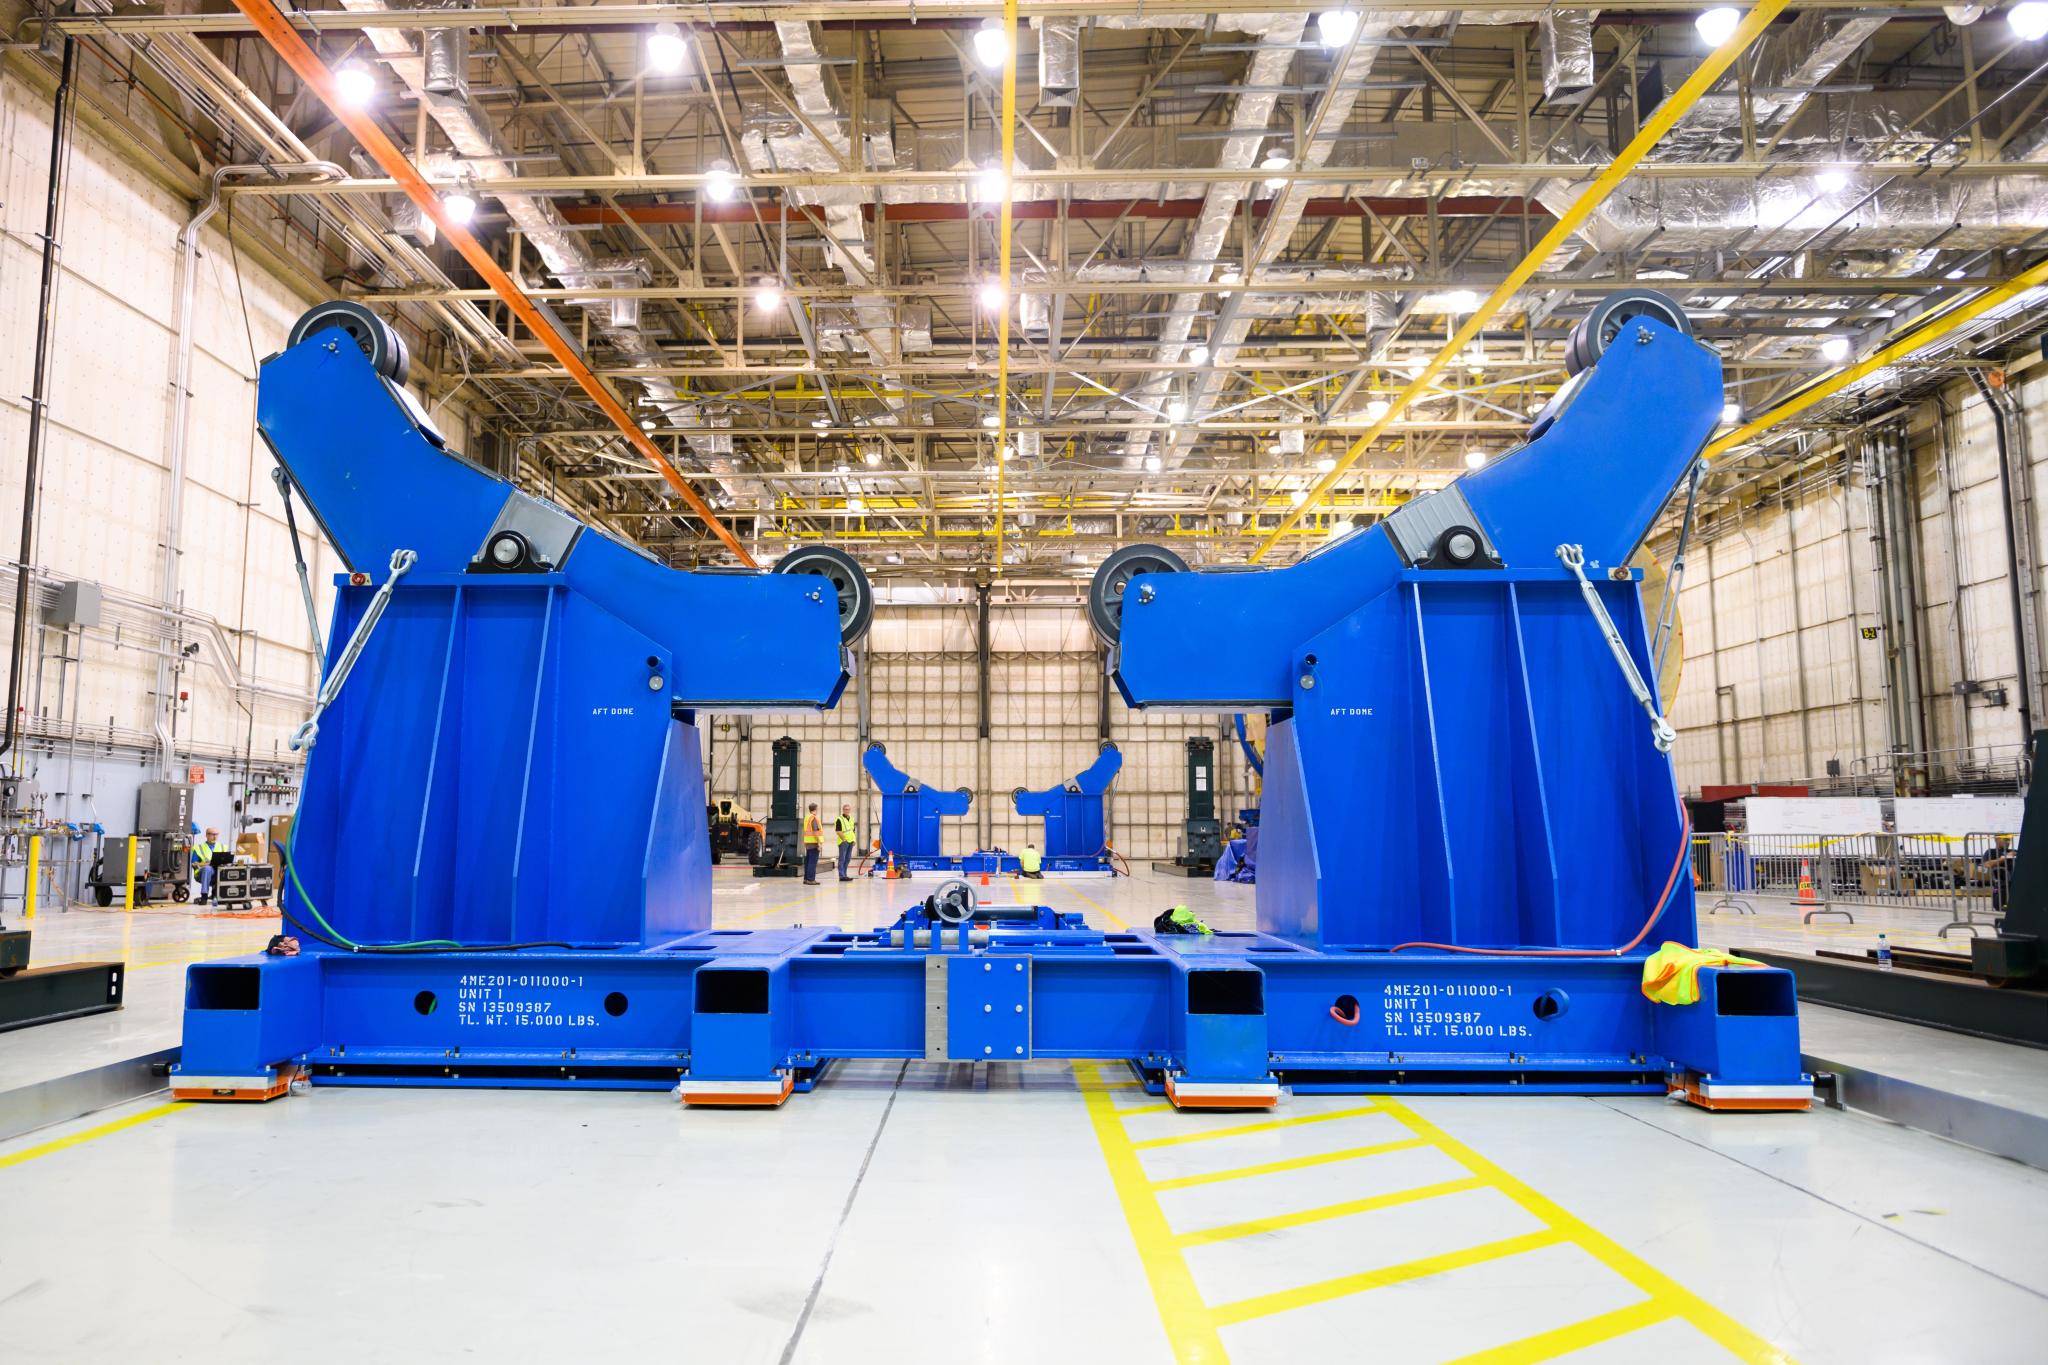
x: 734, y: 832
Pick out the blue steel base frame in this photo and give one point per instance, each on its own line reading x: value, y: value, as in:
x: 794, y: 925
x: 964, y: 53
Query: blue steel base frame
x: 750, y: 1016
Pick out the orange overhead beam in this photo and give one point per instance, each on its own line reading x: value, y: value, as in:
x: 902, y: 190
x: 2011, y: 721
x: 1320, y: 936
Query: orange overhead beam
x: 303, y: 60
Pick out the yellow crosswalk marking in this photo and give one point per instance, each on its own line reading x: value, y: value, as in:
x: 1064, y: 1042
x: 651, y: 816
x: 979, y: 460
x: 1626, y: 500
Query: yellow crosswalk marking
x: 1188, y: 1328
x: 1211, y: 1134
x: 1342, y: 1286
x: 1738, y: 1340
x: 1253, y: 1227
x: 1572, y: 1337
x: 1293, y: 1163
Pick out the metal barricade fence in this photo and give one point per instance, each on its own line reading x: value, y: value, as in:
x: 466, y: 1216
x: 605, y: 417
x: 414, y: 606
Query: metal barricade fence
x: 1965, y: 875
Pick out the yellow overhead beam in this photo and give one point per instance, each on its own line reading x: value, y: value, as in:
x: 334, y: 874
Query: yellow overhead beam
x: 1003, y: 311
x: 1668, y: 113
x: 1920, y: 337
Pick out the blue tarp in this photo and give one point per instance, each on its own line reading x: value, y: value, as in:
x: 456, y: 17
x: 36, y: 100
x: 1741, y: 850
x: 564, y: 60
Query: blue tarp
x: 1240, y: 860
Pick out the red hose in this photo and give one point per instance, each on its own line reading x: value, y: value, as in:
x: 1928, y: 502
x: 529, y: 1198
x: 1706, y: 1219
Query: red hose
x: 1670, y: 884
x: 1352, y: 1022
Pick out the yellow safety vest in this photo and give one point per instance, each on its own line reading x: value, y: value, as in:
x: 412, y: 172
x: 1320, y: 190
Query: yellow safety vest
x: 202, y: 853
x: 844, y: 824
x: 1030, y: 859
x: 813, y: 831
x: 1671, y: 975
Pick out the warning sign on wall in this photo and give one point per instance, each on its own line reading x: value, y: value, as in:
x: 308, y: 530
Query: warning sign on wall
x: 195, y: 774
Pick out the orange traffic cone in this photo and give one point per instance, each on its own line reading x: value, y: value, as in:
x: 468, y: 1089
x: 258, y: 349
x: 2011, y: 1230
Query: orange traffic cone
x: 984, y: 876
x: 1806, y: 894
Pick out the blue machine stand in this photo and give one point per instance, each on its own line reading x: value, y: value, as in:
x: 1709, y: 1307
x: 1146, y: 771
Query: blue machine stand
x: 1074, y: 839
x: 1471, y: 837
x: 911, y: 836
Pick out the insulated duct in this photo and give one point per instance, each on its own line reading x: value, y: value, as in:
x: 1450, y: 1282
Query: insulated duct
x: 1565, y: 43
x: 773, y: 139
x: 1059, y: 62
x: 562, y: 250
x: 1347, y: 81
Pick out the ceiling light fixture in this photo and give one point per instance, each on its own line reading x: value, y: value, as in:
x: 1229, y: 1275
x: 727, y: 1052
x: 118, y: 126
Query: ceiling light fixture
x: 1152, y: 464
x: 1336, y: 27
x: 719, y: 184
x: 991, y: 185
x: 992, y: 295
x: 1717, y: 25
x: 1198, y: 355
x: 1833, y: 180
x: 1176, y: 410
x: 1297, y: 498
x: 1326, y: 465
x: 991, y: 44
x: 1277, y: 161
x: 1731, y: 413
x: 2029, y: 21
x: 1376, y: 409
x: 1449, y: 301
x: 1475, y: 459
x: 1834, y: 349
x: 460, y: 206
x: 665, y: 49
x: 767, y: 295
x: 355, y: 83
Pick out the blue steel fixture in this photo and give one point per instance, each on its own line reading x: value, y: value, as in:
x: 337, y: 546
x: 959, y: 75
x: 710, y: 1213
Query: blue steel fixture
x: 911, y: 834
x: 1472, y: 836
x: 1074, y: 839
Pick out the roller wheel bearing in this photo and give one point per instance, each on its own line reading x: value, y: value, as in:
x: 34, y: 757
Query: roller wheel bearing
x: 1590, y: 339
x: 379, y: 340
x: 1106, y: 590
x: 856, y: 595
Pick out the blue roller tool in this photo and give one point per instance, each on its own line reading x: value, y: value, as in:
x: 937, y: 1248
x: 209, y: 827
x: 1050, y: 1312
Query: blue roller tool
x: 1074, y: 838
x: 911, y: 834
x: 1471, y: 834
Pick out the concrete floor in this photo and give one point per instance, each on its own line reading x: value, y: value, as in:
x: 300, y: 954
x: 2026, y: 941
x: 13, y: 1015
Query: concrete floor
x: 930, y: 1213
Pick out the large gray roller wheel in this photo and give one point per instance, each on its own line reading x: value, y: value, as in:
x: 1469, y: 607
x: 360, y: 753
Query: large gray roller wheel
x: 1106, y: 591
x: 1589, y: 340
x: 952, y: 903
x: 856, y: 597
x: 379, y: 340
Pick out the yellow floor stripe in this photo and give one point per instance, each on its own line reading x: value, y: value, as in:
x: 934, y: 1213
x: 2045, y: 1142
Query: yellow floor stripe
x: 1293, y: 1163
x: 804, y: 899
x: 1107, y: 913
x: 1212, y: 1134
x: 1574, y: 1337
x: 27, y: 1154
x: 1168, y: 1108
x: 1254, y: 1227
x: 1188, y: 1328
x: 1264, y: 1305
x: 1732, y: 1335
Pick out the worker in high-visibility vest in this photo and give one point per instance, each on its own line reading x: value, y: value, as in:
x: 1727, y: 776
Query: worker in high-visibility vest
x: 814, y: 835
x: 202, y: 858
x: 1029, y: 860
x: 843, y: 827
